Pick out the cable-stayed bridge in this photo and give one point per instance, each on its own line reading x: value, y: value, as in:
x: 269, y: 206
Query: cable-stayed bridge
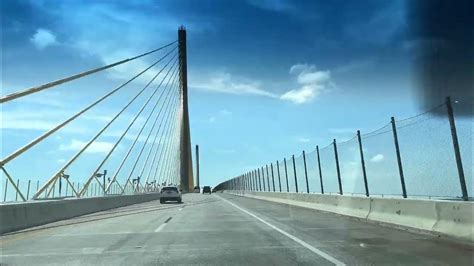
x: 164, y: 157
x: 299, y: 211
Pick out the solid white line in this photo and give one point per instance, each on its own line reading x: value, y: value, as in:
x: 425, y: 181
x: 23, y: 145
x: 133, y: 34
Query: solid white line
x: 160, y: 228
x: 292, y: 237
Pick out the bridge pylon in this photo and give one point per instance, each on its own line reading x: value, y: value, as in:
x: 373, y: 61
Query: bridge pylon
x: 186, y: 162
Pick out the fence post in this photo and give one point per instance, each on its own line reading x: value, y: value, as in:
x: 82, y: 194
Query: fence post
x: 252, y: 178
x: 246, y: 180
x: 18, y: 186
x: 305, y: 172
x: 278, y: 171
x: 399, y: 158
x: 249, y: 181
x: 259, y: 180
x: 337, y: 166
x: 286, y: 175
x: 319, y: 168
x: 252, y: 181
x: 72, y: 191
x: 5, y: 194
x: 28, y: 190
x: 268, y: 178
x: 457, y: 152
x: 294, y: 170
x: 362, y: 161
x: 273, y: 179
x: 255, y: 179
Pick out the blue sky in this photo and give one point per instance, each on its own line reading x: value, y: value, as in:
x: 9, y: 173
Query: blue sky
x: 267, y: 78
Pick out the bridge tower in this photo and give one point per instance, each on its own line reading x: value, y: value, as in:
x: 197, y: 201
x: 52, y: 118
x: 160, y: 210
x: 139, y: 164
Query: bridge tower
x: 186, y: 163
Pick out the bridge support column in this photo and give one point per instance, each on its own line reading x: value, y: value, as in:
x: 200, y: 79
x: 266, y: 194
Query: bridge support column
x: 186, y: 163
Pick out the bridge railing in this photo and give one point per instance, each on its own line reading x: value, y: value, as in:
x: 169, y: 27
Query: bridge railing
x: 428, y: 155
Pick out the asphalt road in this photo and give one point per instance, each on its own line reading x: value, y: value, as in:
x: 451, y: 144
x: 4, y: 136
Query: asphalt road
x: 224, y: 229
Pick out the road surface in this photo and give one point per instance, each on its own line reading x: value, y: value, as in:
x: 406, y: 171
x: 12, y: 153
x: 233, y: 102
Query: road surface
x: 223, y: 229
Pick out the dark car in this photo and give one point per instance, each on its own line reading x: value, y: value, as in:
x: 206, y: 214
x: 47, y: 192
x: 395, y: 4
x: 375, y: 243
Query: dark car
x: 206, y: 189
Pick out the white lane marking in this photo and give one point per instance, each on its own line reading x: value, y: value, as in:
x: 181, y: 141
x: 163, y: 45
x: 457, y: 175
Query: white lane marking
x: 160, y: 228
x: 292, y: 237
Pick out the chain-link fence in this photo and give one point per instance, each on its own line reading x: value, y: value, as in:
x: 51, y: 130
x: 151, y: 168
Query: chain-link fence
x: 427, y: 155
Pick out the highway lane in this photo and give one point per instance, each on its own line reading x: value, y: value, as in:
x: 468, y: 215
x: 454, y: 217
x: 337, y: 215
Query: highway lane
x: 223, y: 229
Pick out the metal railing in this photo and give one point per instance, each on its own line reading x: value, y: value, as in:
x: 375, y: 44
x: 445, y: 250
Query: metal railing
x: 428, y: 155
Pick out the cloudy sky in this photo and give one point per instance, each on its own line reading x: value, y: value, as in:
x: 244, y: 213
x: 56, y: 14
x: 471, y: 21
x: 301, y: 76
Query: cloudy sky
x: 267, y: 78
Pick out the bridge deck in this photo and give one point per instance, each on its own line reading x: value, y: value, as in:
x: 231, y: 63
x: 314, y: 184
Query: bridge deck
x: 224, y: 229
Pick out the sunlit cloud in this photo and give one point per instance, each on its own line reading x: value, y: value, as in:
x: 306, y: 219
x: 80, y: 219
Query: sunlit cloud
x: 312, y: 83
x: 377, y: 158
x: 225, y: 83
x: 43, y: 38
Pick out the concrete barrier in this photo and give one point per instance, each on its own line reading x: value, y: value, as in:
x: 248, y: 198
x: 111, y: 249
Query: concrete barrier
x: 17, y: 216
x: 456, y: 219
x: 420, y: 214
x: 442, y: 217
x: 345, y: 205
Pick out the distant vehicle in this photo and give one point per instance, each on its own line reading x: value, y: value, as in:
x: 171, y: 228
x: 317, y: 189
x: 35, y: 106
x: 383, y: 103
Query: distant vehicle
x: 170, y: 193
x: 206, y: 189
x: 197, y: 190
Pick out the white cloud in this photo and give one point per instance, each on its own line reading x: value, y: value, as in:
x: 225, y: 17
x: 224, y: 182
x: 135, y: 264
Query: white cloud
x: 61, y: 160
x: 312, y: 83
x: 225, y: 83
x: 43, y: 38
x: 304, y: 140
x: 95, y: 147
x: 377, y: 158
x: 212, y: 119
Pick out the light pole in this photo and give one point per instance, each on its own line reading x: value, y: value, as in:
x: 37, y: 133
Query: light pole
x: 103, y: 178
x: 61, y: 176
